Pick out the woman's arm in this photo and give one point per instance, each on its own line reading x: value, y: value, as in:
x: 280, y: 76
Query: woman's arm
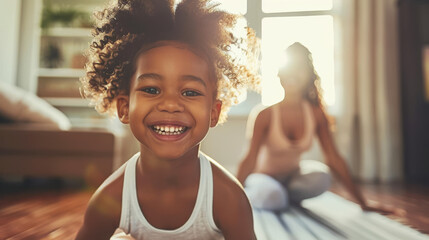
x: 333, y: 159
x: 260, y: 127
x: 340, y: 169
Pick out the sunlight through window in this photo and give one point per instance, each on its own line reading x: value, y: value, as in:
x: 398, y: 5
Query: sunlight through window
x: 314, y: 32
x: 270, y: 6
x: 233, y: 6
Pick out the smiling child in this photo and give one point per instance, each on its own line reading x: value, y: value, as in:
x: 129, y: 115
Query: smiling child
x: 171, y: 74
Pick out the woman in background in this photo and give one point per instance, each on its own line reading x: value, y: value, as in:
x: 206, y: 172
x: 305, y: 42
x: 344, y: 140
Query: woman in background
x: 272, y: 172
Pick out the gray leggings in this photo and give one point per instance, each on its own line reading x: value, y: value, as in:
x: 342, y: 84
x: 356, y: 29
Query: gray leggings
x: 265, y: 192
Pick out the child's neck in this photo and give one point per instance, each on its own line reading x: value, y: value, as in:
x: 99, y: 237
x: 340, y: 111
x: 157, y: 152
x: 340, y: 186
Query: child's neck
x: 169, y: 172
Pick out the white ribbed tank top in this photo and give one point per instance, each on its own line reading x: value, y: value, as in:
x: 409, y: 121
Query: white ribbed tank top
x: 200, y: 224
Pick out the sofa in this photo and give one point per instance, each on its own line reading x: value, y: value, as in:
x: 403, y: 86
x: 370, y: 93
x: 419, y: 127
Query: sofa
x: 38, y: 140
x: 34, y: 150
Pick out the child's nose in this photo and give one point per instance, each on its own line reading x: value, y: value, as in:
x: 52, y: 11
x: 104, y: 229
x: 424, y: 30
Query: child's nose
x: 170, y: 103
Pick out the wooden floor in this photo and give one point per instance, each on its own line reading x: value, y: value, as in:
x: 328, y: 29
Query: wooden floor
x: 46, y: 215
x: 57, y: 214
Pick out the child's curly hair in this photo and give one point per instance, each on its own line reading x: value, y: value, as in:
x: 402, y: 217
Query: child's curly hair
x: 124, y: 26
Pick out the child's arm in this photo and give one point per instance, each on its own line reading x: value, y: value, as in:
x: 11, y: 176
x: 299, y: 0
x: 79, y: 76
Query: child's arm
x: 339, y: 167
x: 232, y: 212
x: 101, y: 218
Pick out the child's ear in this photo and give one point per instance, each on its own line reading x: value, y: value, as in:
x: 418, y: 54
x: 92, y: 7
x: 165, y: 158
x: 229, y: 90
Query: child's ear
x: 214, y: 117
x: 123, y: 106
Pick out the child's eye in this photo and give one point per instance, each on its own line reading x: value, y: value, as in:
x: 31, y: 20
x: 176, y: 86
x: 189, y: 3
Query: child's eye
x: 150, y: 90
x: 190, y: 93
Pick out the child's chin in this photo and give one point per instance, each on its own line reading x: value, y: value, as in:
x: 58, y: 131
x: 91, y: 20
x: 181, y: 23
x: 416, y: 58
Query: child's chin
x: 170, y: 154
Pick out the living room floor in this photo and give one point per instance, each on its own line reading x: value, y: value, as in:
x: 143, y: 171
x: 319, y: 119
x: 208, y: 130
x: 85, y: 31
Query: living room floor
x: 57, y: 212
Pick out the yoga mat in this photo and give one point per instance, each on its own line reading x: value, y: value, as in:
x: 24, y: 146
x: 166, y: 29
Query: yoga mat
x: 329, y: 217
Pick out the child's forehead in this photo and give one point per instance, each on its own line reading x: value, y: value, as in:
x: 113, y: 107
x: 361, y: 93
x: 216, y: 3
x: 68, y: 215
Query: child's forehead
x: 165, y: 53
x: 146, y: 48
x: 176, y: 44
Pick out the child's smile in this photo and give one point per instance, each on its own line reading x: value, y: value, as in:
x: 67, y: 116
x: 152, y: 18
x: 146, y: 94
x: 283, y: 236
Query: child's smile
x: 172, y: 103
x: 169, y: 131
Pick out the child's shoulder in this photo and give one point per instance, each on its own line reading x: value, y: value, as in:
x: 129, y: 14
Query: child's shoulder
x: 230, y: 203
x: 111, y: 187
x: 225, y: 185
x: 104, y: 209
x: 224, y: 181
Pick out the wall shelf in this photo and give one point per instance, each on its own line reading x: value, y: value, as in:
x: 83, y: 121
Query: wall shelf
x: 61, y: 72
x: 67, y: 102
x: 67, y: 32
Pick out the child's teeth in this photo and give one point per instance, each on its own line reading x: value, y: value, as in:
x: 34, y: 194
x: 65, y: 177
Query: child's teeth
x: 168, y: 130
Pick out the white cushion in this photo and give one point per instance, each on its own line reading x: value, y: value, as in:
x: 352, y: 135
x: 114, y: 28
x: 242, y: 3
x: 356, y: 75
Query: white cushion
x: 19, y: 105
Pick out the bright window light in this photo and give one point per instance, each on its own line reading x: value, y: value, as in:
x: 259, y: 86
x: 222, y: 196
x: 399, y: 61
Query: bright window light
x: 314, y: 32
x: 270, y: 6
x: 232, y: 6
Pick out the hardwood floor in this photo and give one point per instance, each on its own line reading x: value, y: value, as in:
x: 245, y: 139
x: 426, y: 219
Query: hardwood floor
x: 58, y: 214
x: 46, y: 215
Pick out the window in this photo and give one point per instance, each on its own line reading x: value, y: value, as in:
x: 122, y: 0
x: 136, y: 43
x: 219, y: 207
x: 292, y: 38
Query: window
x: 314, y: 32
x: 283, y: 22
x: 270, y: 6
x: 234, y: 6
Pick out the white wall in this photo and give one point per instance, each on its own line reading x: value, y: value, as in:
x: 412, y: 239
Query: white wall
x: 10, y: 11
x: 226, y: 143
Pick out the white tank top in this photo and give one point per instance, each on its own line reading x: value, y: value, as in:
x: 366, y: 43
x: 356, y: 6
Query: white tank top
x: 200, y: 224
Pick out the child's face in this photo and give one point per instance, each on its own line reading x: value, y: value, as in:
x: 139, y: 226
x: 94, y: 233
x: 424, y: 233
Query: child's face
x: 171, y: 103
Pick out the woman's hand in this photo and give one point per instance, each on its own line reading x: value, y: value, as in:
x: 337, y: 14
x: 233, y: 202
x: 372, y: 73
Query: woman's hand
x: 383, y: 209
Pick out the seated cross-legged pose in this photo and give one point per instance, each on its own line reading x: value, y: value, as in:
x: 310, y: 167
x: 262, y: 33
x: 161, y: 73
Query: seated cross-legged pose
x: 272, y: 172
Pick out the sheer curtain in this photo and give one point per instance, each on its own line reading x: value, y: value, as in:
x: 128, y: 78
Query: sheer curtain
x: 369, y: 126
